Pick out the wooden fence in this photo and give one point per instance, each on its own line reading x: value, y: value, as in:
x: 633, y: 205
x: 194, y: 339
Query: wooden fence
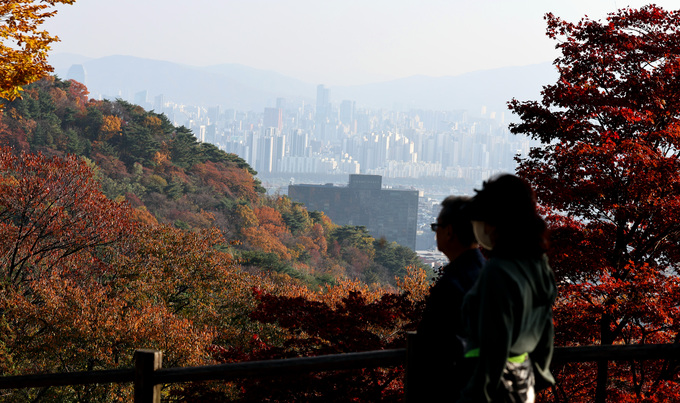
x: 148, y: 374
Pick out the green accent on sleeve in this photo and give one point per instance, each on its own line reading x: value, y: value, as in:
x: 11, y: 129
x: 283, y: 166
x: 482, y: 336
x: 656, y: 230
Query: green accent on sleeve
x: 472, y: 353
x: 516, y: 359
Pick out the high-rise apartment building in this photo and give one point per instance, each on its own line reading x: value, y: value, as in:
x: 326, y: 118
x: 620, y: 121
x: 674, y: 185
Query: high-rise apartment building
x: 323, y: 111
x: 141, y: 98
x: 299, y: 144
x: 214, y: 114
x: 347, y: 115
x: 273, y: 117
x: 159, y: 103
x: 265, y: 154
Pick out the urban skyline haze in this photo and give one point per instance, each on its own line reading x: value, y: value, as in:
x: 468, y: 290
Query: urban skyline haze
x: 335, y: 42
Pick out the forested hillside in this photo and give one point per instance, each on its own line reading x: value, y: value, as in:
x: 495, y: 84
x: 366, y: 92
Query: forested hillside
x: 121, y: 232
x: 142, y: 158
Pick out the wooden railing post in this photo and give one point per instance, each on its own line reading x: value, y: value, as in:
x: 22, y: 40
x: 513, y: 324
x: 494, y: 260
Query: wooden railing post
x: 409, y: 374
x: 146, y: 389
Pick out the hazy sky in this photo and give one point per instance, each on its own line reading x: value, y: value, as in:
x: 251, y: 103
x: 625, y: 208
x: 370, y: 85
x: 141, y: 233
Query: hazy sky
x: 336, y: 42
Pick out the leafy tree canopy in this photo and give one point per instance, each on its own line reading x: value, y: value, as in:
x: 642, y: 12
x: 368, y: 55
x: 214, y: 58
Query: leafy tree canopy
x: 609, y: 177
x: 24, y: 46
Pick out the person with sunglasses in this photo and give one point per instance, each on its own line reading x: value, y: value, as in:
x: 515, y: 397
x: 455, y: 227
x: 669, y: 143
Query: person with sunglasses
x: 439, y: 349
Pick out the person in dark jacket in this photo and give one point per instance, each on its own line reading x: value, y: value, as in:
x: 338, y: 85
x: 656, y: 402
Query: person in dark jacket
x: 508, y: 313
x: 439, y: 347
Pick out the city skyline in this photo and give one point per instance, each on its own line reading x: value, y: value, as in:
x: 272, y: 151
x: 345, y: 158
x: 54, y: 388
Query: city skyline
x: 332, y: 42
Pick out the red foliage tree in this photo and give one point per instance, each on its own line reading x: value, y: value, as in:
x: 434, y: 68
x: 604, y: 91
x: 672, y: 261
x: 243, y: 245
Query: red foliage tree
x: 609, y: 172
x: 347, y: 317
x: 51, y: 211
x: 13, y: 134
x: 271, y: 220
x: 319, y: 328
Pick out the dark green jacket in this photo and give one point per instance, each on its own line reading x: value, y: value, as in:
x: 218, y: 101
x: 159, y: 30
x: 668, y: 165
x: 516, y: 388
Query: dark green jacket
x: 507, y: 313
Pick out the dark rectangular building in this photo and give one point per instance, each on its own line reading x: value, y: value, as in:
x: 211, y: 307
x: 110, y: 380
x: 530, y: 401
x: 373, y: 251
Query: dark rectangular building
x: 392, y: 214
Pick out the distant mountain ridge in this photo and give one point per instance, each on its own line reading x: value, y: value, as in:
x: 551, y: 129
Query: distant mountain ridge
x: 246, y: 88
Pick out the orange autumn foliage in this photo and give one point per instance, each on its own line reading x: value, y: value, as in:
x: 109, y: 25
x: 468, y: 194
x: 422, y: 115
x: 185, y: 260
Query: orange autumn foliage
x: 111, y: 126
x: 24, y: 46
x: 84, y: 284
x: 261, y: 239
x: 270, y: 220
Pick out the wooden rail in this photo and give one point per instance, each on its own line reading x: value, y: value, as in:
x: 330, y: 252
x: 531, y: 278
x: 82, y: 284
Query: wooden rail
x: 617, y: 352
x: 148, y: 374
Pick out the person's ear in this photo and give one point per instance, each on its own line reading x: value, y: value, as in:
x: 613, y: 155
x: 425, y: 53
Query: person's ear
x: 491, y: 231
x: 485, y: 234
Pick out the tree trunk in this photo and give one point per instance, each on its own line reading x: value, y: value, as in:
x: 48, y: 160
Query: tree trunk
x: 602, y: 377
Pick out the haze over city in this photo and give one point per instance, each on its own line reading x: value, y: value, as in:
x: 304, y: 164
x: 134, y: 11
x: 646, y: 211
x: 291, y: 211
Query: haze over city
x: 312, y: 92
x: 336, y: 42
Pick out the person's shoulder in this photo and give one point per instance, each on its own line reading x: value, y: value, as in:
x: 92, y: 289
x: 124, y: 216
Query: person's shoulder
x: 521, y: 271
x: 502, y: 269
x: 499, y: 263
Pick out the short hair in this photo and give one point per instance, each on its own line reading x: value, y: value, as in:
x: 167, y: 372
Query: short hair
x: 453, y: 213
x: 509, y: 203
